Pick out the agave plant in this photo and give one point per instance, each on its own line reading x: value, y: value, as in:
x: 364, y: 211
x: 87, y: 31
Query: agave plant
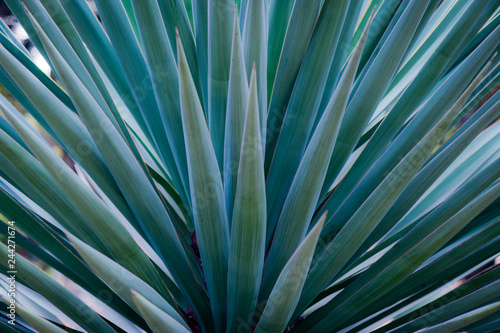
x: 251, y: 166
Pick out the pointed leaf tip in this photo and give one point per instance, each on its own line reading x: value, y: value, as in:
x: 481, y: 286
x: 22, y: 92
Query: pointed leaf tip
x: 288, y: 288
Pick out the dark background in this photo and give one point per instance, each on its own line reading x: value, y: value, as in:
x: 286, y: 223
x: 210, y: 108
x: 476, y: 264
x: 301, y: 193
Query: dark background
x: 4, y: 10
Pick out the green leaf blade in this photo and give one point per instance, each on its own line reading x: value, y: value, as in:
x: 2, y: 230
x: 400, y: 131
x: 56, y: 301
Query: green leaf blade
x: 158, y: 320
x: 237, y: 103
x: 305, y: 190
x: 209, y: 209
x: 248, y: 232
x: 220, y: 35
x: 286, y: 292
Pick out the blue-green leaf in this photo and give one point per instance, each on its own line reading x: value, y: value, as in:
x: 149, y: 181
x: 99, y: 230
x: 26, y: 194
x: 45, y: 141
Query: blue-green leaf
x: 248, y: 232
x: 255, y: 34
x: 220, y: 35
x: 237, y: 102
x: 158, y: 320
x: 286, y: 292
x: 302, y: 108
x: 369, y: 91
x: 305, y: 189
x: 207, y: 195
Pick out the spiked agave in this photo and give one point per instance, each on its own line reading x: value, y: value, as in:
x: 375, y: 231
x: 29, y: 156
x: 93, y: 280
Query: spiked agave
x: 264, y: 166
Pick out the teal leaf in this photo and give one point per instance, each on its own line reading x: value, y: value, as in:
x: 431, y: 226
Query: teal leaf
x: 158, y: 320
x: 207, y: 194
x: 304, y: 193
x: 286, y: 292
x: 237, y: 102
x: 248, y: 232
x: 220, y: 36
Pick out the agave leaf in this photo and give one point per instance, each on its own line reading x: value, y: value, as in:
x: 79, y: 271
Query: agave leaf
x: 305, y: 189
x: 487, y: 324
x: 24, y: 185
x: 200, y: 14
x: 37, y: 13
x: 63, y: 22
x: 279, y: 16
x: 64, y: 122
x: 369, y: 7
x: 81, y: 71
x: 442, y: 268
x: 436, y: 167
x: 189, y: 10
x: 479, y: 117
x: 469, y: 163
x: 339, y: 59
x: 241, y: 5
x: 107, y: 227
x: 7, y: 128
x: 38, y: 323
x: 437, y: 16
x: 424, y: 50
x: 134, y: 65
x: 33, y: 68
x: 121, y: 280
x: 94, y: 37
x: 8, y: 328
x: 172, y: 200
x: 255, y: 34
x: 483, y: 92
x: 158, y: 320
x: 132, y: 180
x: 67, y: 125
x: 449, y: 260
x: 163, y: 70
x: 463, y: 320
x: 440, y: 100
x: 174, y: 194
x: 248, y: 232
x: 401, y: 261
x: 55, y: 198
x: 302, y: 108
x: 127, y: 5
x: 17, y: 9
x: 220, y: 33
x: 298, y: 34
x: 207, y: 195
x: 371, y: 212
x: 286, y: 292
x: 386, y: 17
x: 481, y: 289
x: 371, y: 88
x: 49, y: 237
x: 479, y: 37
x: 413, y: 95
x: 4, y: 28
x: 170, y: 190
x: 67, y: 262
x: 37, y: 303
x: 431, y: 222
x: 70, y: 304
x: 174, y: 14
x: 432, y: 41
x: 16, y: 93
x: 425, y: 24
x: 237, y: 102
